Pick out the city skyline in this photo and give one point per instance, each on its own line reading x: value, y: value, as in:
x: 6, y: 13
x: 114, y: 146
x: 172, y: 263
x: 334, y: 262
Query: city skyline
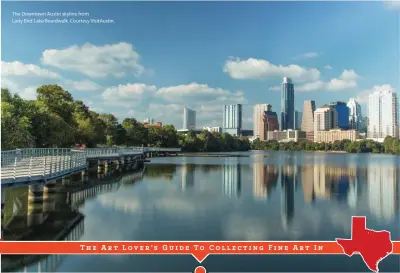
x: 201, y: 67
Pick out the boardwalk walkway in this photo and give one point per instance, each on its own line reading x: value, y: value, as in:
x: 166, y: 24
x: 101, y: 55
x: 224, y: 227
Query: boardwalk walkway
x: 24, y: 166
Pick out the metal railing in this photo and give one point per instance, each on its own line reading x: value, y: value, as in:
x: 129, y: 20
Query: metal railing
x: 39, y: 164
x: 46, y: 163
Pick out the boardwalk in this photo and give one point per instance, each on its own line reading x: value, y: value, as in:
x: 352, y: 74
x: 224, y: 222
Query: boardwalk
x: 24, y: 166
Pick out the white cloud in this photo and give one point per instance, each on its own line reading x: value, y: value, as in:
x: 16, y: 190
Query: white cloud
x: 328, y: 67
x: 17, y: 69
x: 362, y: 97
x: 83, y: 85
x: 347, y: 80
x: 96, y: 61
x: 259, y: 69
x: 130, y: 91
x: 392, y: 4
x: 307, y: 55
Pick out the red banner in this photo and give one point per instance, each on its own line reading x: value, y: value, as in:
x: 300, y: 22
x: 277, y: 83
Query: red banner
x: 200, y: 250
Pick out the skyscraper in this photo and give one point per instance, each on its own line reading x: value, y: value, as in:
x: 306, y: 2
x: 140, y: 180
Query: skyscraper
x: 258, y: 113
x: 383, y: 114
x: 189, y: 119
x: 287, y: 105
x: 307, y: 123
x: 269, y: 123
x: 343, y: 114
x: 355, y: 117
x: 231, y: 177
x: 232, y: 119
x: 325, y: 118
x: 298, y: 116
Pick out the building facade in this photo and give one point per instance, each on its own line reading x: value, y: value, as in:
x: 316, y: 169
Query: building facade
x: 286, y: 135
x: 307, y: 122
x: 232, y: 119
x: 157, y: 124
x: 343, y: 113
x: 355, y: 116
x: 287, y: 105
x: 189, y: 119
x: 325, y: 118
x: 335, y: 134
x: 383, y: 114
x: 258, y: 114
x: 269, y: 123
x: 148, y: 121
x: 213, y: 129
x: 298, y: 116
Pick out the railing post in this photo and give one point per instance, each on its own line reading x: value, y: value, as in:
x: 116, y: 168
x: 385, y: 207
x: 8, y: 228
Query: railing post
x: 51, y: 163
x: 30, y: 167
x: 44, y: 168
x: 15, y: 166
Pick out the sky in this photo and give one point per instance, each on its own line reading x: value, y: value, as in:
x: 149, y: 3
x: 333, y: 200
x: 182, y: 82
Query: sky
x: 158, y: 57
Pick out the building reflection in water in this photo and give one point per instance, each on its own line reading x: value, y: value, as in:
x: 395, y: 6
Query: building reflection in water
x: 265, y: 177
x: 231, y: 177
x: 383, y: 192
x: 287, y: 194
x: 187, y: 172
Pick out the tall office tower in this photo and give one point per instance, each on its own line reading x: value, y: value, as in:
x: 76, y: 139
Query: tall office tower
x: 231, y: 177
x: 258, y: 113
x: 383, y: 114
x: 325, y: 118
x: 232, y: 123
x: 307, y: 122
x: 343, y: 114
x: 287, y: 105
x: 355, y: 117
x: 189, y: 119
x: 298, y: 116
x: 148, y: 121
x: 269, y: 123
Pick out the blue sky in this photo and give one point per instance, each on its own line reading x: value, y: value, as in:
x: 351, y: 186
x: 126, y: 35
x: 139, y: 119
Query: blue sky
x: 158, y: 57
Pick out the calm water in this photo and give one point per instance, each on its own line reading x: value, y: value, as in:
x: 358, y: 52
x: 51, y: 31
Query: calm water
x: 271, y: 196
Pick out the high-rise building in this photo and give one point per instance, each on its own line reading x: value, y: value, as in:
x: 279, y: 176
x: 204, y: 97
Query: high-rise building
x: 355, y: 116
x: 148, y: 121
x: 298, y: 116
x: 307, y: 123
x: 258, y: 113
x: 325, y: 118
x: 287, y: 105
x: 232, y: 123
x: 269, y: 123
x: 343, y: 114
x: 383, y: 114
x: 189, y: 119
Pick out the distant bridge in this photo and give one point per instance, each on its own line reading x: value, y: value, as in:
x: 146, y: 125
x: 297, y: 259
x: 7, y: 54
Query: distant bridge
x: 39, y: 165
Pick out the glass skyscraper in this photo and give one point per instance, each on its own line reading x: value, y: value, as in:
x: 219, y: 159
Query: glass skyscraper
x: 343, y: 114
x: 232, y: 119
x: 287, y: 105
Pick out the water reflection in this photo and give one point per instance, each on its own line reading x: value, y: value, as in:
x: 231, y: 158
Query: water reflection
x: 231, y: 177
x: 50, y: 212
x: 281, y: 197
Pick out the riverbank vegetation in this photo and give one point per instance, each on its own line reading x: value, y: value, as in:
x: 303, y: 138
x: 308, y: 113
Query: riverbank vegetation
x: 55, y: 119
x: 389, y: 146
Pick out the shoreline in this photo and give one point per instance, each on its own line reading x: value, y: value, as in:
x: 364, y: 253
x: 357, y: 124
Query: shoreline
x: 210, y: 155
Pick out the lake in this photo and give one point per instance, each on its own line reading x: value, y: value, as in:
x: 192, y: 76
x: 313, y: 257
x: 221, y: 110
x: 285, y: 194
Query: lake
x: 259, y: 196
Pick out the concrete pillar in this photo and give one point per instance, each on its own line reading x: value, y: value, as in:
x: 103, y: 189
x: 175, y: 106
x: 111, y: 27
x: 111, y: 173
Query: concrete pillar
x: 35, y: 194
x: 85, y: 175
x: 49, y: 196
x: 100, y: 166
x: 35, y: 205
x: 65, y: 180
